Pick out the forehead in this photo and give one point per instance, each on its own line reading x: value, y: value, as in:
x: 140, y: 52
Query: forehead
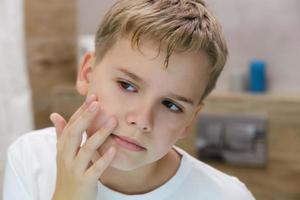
x: 187, y: 72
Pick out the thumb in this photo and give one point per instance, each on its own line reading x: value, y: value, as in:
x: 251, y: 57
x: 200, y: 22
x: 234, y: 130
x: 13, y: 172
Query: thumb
x: 59, y: 122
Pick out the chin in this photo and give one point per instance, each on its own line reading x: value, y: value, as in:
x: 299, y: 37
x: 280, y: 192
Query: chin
x: 123, y: 163
x: 122, y: 167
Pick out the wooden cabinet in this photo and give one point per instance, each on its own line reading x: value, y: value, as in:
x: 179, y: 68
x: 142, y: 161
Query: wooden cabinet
x: 280, y: 179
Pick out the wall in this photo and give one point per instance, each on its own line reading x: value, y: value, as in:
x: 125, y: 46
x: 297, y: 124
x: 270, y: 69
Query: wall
x: 51, y: 51
x: 50, y: 45
x: 15, y: 95
x: 268, y: 30
x: 90, y: 14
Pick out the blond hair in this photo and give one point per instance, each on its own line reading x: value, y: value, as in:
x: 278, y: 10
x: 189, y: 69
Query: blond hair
x: 176, y: 25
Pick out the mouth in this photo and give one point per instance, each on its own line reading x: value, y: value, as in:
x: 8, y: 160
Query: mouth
x: 128, y: 143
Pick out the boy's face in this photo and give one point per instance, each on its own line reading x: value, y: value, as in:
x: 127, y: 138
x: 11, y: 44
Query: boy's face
x: 144, y: 98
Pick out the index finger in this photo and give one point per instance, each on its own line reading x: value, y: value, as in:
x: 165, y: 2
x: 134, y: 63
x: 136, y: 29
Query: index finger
x: 78, y: 112
x: 60, y: 123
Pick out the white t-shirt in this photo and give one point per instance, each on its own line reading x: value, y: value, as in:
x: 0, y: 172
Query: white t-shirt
x: 30, y: 174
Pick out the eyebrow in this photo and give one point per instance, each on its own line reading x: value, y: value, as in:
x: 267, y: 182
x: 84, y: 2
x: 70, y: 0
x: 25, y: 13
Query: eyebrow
x: 131, y: 75
x: 138, y: 79
x: 182, y: 98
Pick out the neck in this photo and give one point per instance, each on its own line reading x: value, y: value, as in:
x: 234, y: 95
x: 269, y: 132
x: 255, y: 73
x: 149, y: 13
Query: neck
x: 144, y: 179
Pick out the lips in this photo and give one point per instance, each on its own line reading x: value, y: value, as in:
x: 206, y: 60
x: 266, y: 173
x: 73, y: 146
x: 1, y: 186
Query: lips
x: 128, y: 143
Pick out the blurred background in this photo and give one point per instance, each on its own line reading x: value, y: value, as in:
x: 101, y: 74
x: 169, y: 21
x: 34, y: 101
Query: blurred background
x: 250, y: 127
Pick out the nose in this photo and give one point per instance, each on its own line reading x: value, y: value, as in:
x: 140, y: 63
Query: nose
x: 144, y: 128
x: 141, y: 118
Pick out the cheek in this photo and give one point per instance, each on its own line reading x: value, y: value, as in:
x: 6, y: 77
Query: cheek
x: 167, y: 131
x: 96, y: 124
x: 108, y: 107
x: 174, y: 127
x: 169, y: 122
x: 109, y: 97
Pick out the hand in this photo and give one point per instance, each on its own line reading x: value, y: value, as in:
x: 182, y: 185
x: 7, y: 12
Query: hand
x: 77, y: 176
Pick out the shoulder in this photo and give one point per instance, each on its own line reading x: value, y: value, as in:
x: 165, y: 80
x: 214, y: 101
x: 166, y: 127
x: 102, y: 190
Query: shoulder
x: 31, y: 165
x: 35, y: 138
x: 211, y: 182
x: 40, y: 134
x: 35, y: 143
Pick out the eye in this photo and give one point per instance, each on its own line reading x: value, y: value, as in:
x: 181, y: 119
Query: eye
x: 127, y: 86
x: 172, y: 107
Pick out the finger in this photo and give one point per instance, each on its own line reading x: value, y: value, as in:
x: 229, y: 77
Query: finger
x: 59, y: 122
x: 89, y: 148
x: 87, y: 102
x: 95, y: 157
x: 74, y: 131
x: 97, y: 169
x: 77, y: 114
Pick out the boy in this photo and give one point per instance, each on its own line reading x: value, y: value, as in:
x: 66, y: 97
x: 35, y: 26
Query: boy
x: 154, y: 63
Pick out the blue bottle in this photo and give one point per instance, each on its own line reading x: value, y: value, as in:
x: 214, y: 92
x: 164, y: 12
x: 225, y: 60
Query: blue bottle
x: 258, y: 78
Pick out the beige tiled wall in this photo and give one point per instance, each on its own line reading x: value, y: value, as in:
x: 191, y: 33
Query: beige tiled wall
x: 268, y: 30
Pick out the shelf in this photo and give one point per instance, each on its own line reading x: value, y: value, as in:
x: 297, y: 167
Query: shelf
x: 275, y: 97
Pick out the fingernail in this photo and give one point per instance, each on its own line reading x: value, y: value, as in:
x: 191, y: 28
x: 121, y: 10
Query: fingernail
x: 90, y: 98
x: 93, y: 107
x: 52, y: 117
x: 111, y: 123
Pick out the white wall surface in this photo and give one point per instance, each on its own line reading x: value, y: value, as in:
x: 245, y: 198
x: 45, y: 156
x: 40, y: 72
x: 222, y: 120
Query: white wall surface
x: 15, y: 96
x: 268, y: 30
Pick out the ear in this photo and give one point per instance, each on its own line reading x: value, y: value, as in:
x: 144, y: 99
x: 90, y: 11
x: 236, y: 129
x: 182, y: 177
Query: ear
x: 84, y: 73
x: 194, y: 117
